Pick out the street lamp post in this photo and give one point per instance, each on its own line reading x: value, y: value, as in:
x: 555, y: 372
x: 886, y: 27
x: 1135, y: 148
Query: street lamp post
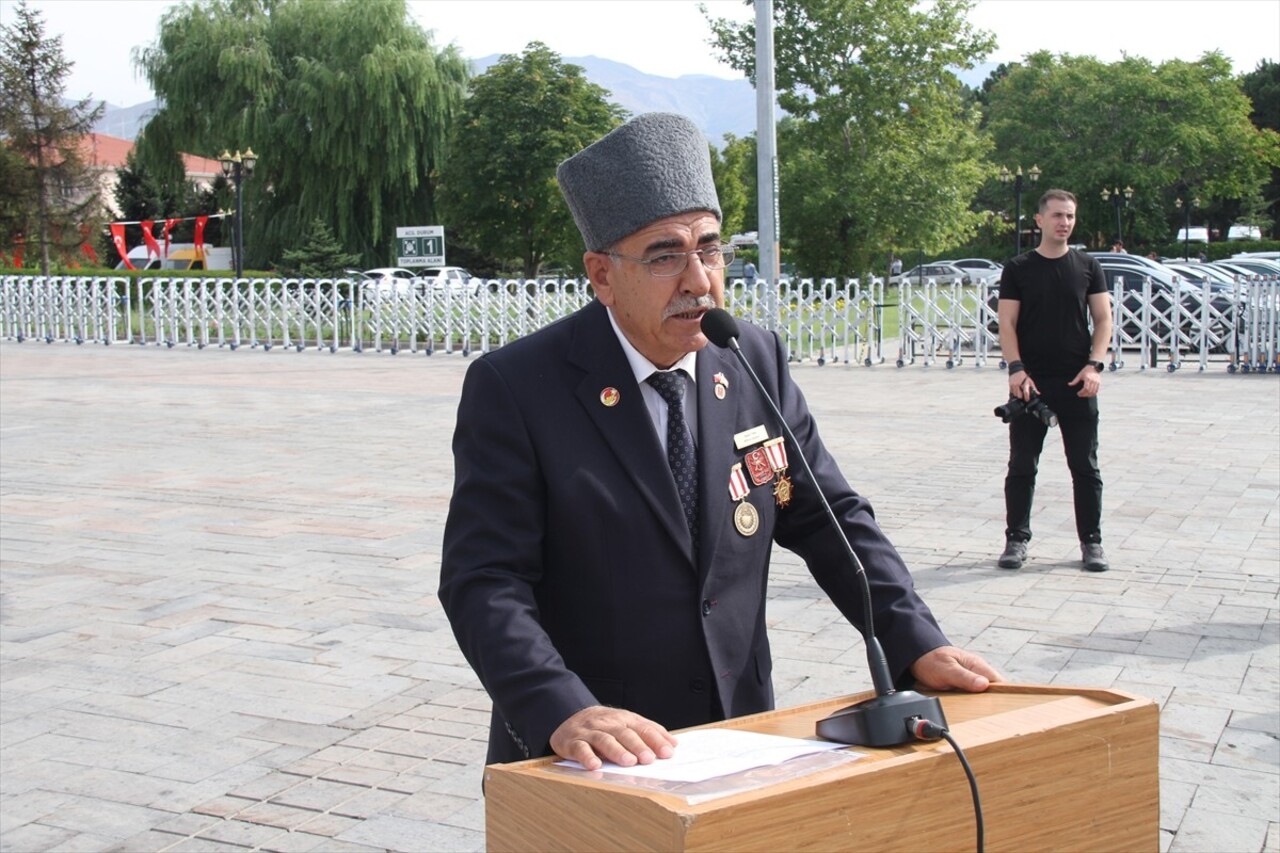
x: 237, y: 167
x: 1033, y: 175
x: 1185, y: 207
x: 1119, y: 199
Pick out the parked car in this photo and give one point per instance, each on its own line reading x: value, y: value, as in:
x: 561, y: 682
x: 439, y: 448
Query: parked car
x: 1127, y: 259
x: 1165, y: 284
x: 454, y: 280
x: 980, y: 268
x: 388, y: 281
x: 1256, y: 266
x: 940, y: 272
x: 1197, y: 274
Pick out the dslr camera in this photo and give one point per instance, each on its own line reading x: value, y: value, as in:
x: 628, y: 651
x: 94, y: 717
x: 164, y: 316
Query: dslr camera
x: 1035, y: 407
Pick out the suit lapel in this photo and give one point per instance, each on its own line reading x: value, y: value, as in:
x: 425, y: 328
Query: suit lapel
x: 625, y: 426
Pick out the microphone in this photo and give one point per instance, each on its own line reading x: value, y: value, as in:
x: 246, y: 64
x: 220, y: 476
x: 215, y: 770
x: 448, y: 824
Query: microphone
x: 888, y: 718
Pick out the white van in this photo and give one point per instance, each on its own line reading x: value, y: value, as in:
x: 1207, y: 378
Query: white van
x: 1244, y: 232
x: 1194, y: 234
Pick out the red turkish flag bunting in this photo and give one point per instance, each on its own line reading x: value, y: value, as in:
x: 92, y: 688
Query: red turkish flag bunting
x: 153, y: 248
x: 169, y: 225
x: 117, y: 237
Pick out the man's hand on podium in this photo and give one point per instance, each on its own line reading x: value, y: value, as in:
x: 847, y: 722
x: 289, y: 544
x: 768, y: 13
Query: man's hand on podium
x: 612, y: 734
x: 951, y: 668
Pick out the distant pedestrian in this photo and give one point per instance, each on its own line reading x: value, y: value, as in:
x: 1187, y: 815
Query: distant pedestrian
x: 749, y: 274
x: 1118, y: 246
x: 895, y: 266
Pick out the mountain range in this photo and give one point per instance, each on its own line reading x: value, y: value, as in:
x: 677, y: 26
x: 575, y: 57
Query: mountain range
x: 718, y: 106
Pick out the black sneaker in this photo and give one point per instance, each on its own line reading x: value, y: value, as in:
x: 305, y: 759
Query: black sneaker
x: 1095, y: 559
x: 1015, y: 554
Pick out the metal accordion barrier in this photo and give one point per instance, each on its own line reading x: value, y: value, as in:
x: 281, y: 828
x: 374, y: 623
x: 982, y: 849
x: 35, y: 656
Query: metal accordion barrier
x: 831, y: 321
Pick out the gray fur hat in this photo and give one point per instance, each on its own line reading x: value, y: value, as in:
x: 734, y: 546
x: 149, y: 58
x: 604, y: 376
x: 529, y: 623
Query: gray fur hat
x: 654, y: 166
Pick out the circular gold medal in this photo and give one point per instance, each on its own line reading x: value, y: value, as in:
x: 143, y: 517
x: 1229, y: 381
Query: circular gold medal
x: 746, y: 519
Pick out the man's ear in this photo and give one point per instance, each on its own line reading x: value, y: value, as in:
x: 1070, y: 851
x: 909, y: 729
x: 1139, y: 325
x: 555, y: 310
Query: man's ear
x: 599, y: 268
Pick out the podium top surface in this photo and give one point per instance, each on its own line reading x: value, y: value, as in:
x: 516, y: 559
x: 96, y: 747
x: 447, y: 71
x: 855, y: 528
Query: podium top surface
x: 1003, y: 711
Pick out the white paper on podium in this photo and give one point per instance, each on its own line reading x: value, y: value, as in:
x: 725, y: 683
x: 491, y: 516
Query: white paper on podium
x: 709, y: 753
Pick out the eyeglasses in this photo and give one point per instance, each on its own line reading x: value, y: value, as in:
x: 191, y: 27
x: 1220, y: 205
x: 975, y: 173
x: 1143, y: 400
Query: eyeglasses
x: 670, y: 264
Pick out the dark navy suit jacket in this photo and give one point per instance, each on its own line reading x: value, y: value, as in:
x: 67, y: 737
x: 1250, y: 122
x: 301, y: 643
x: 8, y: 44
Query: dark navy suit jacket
x: 568, y: 571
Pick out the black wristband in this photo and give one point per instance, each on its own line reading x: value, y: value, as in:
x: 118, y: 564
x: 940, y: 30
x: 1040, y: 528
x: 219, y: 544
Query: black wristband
x: 1015, y: 367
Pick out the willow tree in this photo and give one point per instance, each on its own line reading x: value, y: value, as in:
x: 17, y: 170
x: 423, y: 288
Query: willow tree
x: 347, y: 104
x: 881, y: 152
x: 524, y: 116
x: 50, y: 193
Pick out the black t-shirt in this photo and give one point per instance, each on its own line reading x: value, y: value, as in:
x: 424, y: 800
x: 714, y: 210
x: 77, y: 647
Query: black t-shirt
x: 1053, y: 318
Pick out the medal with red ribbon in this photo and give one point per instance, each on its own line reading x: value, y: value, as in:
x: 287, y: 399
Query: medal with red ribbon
x: 775, y: 451
x: 745, y: 516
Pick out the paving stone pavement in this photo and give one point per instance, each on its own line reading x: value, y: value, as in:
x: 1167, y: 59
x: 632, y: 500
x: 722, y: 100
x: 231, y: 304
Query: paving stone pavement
x: 219, y: 628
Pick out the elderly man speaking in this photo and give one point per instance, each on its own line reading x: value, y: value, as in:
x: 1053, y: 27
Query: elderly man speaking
x: 618, y: 488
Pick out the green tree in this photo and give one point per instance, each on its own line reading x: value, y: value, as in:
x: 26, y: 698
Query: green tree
x: 739, y: 167
x: 1180, y: 128
x: 882, y: 152
x: 1262, y: 86
x: 59, y: 192
x: 347, y: 104
x: 731, y: 192
x: 319, y: 256
x: 524, y: 116
x: 17, y: 195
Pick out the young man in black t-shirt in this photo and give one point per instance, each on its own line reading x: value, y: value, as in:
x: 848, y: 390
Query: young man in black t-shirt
x: 1047, y: 297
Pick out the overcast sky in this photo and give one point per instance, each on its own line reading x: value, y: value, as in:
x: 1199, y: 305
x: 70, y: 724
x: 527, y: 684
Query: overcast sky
x: 668, y: 37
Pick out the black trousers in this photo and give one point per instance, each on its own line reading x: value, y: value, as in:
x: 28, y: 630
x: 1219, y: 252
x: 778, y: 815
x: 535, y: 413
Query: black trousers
x: 1078, y: 422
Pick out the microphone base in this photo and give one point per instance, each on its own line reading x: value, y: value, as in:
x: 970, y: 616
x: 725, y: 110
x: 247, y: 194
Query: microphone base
x: 882, y: 720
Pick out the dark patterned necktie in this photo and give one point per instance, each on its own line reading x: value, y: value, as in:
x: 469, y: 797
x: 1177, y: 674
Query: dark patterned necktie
x: 681, y: 454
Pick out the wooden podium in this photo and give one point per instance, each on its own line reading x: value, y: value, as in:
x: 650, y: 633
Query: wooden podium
x: 1058, y: 768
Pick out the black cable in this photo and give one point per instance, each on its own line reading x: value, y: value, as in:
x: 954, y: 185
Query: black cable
x: 923, y: 729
